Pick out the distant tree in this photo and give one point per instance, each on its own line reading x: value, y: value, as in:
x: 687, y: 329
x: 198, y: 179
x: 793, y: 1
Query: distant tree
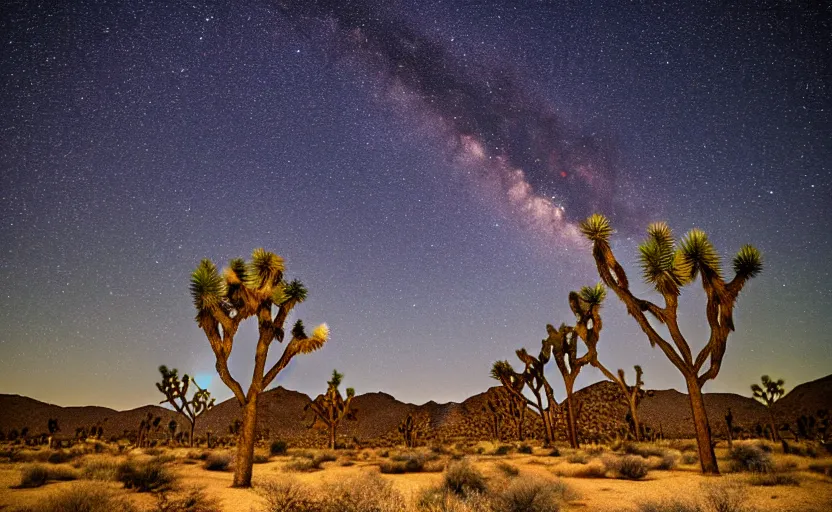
x: 234, y: 428
x: 768, y: 394
x: 176, y: 394
x: 729, y: 422
x: 407, y: 428
x: 245, y: 290
x: 13, y: 434
x: 668, y: 266
x: 144, y: 430
x: 172, y: 426
x: 330, y: 408
x: 533, y: 377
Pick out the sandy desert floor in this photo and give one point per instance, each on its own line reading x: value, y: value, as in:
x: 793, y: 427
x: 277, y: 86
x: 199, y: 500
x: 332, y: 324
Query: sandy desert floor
x: 812, y: 492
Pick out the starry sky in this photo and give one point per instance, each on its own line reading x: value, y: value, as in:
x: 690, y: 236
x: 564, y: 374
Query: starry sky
x: 420, y: 165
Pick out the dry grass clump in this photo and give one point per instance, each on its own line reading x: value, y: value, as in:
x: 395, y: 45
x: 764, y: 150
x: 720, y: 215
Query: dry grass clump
x: 644, y: 449
x: 503, y: 449
x: 751, y: 457
x: 218, y: 461
x: 102, y: 468
x: 593, y: 469
x: 310, y: 461
x: 412, y: 462
x: 725, y: 496
x: 507, y: 469
x: 578, y: 457
x: 529, y: 495
x: 462, y: 478
x: 278, y: 447
x: 85, y: 498
x: 774, y: 478
x: 367, y: 493
x: 629, y: 467
x: 192, y: 499
x: 146, y: 476
x: 36, y: 475
x: 823, y: 469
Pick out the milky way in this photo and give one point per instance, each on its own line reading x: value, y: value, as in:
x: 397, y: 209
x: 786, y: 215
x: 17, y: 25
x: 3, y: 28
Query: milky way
x: 545, y: 173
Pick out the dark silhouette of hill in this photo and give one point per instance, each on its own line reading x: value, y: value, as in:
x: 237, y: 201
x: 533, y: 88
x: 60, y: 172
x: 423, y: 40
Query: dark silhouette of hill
x: 601, y: 415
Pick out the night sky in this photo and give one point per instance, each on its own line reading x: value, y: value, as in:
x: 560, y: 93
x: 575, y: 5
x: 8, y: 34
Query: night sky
x: 421, y: 166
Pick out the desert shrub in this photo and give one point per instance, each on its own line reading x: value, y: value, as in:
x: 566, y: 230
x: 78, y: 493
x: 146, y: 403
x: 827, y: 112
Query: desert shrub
x: 631, y: 467
x: 439, y: 499
x: 309, y: 461
x: 462, y: 478
x: 823, y: 469
x: 193, y: 499
x: 260, y: 458
x: 577, y: 458
x: 690, y: 458
x: 35, y: 475
x: 503, y: 449
x: 750, y: 457
x: 278, y: 447
x: 104, y: 469
x: 60, y: 456
x: 773, y: 478
x: 555, y: 452
x: 301, y: 465
x: 145, y: 476
x: 287, y: 495
x: 526, y: 449
x: 153, y: 452
x: 595, y: 450
x: 197, y: 455
x: 326, y: 456
x: 347, y: 463
x: 83, y: 498
x: 507, y: 469
x: 367, y: 493
x: 666, y: 462
x: 594, y: 469
x: 724, y: 496
x: 524, y: 495
x: 218, y: 461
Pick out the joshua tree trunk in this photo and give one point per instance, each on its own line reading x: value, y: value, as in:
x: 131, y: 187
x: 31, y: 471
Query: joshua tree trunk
x: 245, y: 444
x: 631, y: 403
x: 332, y: 437
x: 570, y: 416
x: 547, y: 427
x: 707, y: 457
x: 191, y: 435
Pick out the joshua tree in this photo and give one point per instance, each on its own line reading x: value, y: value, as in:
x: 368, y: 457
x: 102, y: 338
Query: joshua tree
x: 250, y: 289
x: 407, y: 428
x: 669, y: 266
x: 729, y: 422
x: 534, y: 377
x: 172, y: 426
x: 52, y: 426
x: 770, y: 392
x: 176, y: 394
x: 505, y: 407
x: 586, y: 306
x: 331, y: 408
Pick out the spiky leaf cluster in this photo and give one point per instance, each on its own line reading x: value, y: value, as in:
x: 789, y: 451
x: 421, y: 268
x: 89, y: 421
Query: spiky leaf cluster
x: 596, y: 228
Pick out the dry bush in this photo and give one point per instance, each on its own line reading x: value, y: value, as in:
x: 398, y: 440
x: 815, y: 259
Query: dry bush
x: 507, y: 469
x: 192, y: 499
x: 593, y: 469
x: 100, y: 468
x: 503, y: 449
x: 83, y: 498
x: 690, y: 458
x: 630, y: 467
x: 669, y: 460
x: 367, y: 493
x: 669, y: 506
x: 218, y: 461
x: 750, y: 457
x: 278, y: 447
x: 644, y: 449
x: 726, y: 495
x: 260, y: 458
x: 462, y: 478
x: 309, y: 461
x: 146, y: 476
x: 438, y: 499
x: 525, y: 449
x: 529, y: 495
x: 577, y: 458
x: 287, y: 495
x: 773, y: 478
x: 36, y: 475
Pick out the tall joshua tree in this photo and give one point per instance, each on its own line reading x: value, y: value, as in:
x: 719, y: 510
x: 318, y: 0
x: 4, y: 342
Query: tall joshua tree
x: 770, y: 392
x: 250, y: 289
x: 331, y: 408
x: 586, y: 306
x: 668, y: 266
x: 176, y: 394
x: 533, y: 376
